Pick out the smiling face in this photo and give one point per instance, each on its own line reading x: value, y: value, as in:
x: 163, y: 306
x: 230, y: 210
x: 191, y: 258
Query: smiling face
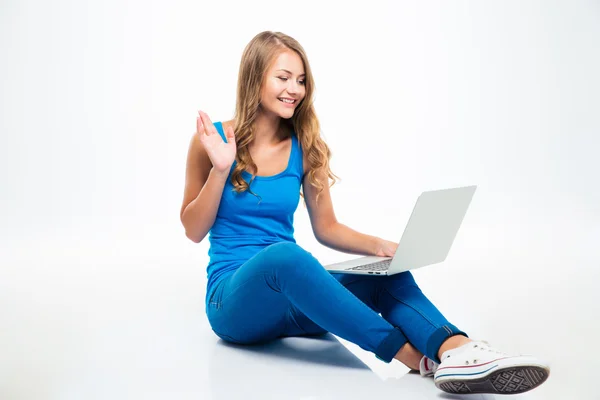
x: 284, y: 85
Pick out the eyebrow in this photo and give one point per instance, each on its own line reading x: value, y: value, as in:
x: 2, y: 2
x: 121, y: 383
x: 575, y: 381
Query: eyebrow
x: 285, y: 70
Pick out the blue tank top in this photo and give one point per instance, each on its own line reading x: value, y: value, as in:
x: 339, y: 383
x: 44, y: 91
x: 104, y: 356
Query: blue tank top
x: 245, y: 224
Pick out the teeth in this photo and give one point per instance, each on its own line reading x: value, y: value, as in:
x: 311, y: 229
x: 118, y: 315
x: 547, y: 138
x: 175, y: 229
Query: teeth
x: 287, y: 101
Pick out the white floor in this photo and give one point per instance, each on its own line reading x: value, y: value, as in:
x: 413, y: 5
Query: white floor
x: 84, y: 319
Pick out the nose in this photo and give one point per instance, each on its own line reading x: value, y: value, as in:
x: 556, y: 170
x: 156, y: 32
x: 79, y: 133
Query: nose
x: 293, y: 87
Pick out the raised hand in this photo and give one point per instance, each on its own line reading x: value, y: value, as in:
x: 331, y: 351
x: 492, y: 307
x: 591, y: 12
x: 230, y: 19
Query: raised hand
x: 221, y: 154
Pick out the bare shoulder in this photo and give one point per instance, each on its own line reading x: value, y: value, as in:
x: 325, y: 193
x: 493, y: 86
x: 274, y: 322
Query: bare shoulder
x: 198, y: 166
x: 227, y: 124
x: 197, y: 153
x: 305, y: 164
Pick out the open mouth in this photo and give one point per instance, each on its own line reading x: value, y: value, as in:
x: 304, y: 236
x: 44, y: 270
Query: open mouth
x: 287, y: 101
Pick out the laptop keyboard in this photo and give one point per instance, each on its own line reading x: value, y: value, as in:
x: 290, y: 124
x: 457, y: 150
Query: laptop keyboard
x: 377, y: 266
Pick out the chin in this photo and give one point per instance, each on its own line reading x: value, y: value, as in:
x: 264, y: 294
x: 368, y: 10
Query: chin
x: 287, y: 115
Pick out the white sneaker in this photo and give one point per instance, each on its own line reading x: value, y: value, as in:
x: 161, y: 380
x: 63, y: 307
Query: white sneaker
x: 427, y: 367
x: 477, y: 368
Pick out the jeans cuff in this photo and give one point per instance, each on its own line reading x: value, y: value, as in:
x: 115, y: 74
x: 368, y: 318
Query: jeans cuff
x: 438, y: 338
x: 390, y: 346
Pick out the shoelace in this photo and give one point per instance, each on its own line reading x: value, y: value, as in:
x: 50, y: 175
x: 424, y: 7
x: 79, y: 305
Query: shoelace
x: 483, y: 346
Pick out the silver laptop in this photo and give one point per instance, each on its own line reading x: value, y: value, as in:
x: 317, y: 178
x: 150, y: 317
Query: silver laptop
x: 427, y: 238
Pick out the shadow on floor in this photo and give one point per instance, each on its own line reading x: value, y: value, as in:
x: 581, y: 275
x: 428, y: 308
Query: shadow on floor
x: 316, y: 367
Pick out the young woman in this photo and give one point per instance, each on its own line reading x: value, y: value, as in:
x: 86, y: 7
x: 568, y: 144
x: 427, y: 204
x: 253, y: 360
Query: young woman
x: 243, y: 183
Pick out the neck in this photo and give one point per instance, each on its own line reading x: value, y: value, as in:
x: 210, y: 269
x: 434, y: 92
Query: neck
x: 268, y: 129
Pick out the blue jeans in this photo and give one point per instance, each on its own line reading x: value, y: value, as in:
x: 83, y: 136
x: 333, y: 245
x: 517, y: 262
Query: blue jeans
x: 284, y: 291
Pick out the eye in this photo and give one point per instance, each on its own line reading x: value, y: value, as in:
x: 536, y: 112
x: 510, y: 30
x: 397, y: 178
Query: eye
x: 283, y: 78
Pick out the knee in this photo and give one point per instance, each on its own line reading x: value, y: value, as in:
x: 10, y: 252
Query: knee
x: 289, y: 255
x: 288, y: 251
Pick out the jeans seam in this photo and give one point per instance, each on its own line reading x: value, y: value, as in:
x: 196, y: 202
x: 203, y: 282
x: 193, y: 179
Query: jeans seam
x: 418, y: 310
x: 232, y: 291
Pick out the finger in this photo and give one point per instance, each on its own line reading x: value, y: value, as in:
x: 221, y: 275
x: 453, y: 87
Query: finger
x: 199, y: 125
x: 209, y: 128
x: 230, y: 135
x: 205, y: 128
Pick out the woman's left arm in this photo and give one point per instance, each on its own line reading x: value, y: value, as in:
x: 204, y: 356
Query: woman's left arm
x: 329, y: 232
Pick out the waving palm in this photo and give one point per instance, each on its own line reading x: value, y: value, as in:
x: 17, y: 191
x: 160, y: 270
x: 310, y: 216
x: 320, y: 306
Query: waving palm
x: 221, y: 154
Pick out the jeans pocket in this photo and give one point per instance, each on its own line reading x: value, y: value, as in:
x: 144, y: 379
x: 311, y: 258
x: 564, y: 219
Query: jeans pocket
x: 214, y: 300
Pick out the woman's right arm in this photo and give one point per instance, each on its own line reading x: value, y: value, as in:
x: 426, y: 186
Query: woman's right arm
x: 202, y: 195
x: 205, y: 179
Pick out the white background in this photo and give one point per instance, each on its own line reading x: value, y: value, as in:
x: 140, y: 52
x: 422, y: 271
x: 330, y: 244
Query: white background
x: 97, y: 105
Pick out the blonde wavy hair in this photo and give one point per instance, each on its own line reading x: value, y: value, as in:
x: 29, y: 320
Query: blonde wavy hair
x: 257, y: 57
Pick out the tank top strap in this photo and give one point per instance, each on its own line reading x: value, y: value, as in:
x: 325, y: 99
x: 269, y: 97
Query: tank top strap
x: 297, y: 156
x: 219, y: 126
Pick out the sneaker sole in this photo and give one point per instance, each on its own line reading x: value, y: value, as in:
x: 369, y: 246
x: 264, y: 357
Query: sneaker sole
x: 510, y: 380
